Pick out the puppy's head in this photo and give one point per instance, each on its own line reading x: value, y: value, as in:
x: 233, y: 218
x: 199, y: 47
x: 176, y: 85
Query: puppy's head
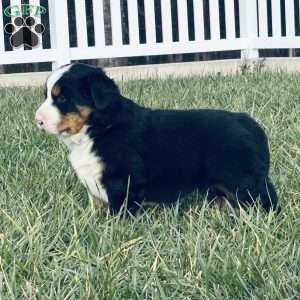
x: 74, y: 93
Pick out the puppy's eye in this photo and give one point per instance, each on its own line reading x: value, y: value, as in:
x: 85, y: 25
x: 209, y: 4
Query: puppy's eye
x: 61, y: 99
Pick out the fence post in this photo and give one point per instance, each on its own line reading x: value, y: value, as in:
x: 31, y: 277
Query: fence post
x: 249, y: 27
x: 59, y: 32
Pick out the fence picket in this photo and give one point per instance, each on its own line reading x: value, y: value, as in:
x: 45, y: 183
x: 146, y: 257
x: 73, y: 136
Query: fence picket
x: 150, y: 22
x: 214, y: 19
x: 37, y: 18
x: 80, y: 11
x: 183, y: 20
x: 198, y: 20
x: 229, y: 19
x: 263, y: 18
x: 290, y: 18
x: 115, y: 9
x: 98, y: 23
x: 166, y: 21
x: 16, y: 3
x: 276, y: 18
x: 134, y: 34
x: 59, y: 32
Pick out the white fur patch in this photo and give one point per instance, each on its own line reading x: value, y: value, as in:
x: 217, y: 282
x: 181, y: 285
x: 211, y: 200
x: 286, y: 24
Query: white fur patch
x: 88, y: 167
x: 47, y: 112
x: 50, y: 115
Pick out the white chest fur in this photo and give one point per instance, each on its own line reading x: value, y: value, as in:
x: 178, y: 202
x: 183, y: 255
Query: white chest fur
x: 88, y: 167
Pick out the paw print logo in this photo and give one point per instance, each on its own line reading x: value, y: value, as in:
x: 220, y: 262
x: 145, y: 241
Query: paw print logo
x: 24, y: 31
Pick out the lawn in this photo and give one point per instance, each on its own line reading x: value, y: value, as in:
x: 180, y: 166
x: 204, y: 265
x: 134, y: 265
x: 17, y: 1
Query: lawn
x: 54, y: 246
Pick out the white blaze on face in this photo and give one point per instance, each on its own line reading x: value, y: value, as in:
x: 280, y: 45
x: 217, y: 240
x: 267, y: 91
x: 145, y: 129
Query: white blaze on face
x: 48, y: 116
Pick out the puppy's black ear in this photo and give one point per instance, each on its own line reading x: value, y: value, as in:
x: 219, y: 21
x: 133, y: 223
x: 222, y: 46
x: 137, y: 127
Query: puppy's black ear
x: 104, y: 92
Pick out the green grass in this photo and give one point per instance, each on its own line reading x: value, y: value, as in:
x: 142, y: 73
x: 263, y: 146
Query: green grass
x: 53, y: 246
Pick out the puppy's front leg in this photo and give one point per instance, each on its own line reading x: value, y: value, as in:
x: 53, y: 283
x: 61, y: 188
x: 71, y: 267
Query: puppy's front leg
x: 124, y: 195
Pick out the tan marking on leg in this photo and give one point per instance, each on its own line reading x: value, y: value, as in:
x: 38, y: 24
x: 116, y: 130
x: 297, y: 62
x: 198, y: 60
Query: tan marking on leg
x: 96, y: 202
x: 229, y: 196
x: 221, y: 203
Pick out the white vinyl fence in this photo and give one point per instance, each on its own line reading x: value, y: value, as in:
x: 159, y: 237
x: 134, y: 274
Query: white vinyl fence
x: 254, y: 30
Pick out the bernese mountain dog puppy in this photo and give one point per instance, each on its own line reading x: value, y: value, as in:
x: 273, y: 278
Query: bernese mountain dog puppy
x: 125, y: 154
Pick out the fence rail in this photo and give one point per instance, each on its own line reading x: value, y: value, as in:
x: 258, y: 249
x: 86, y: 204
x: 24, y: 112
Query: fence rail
x: 245, y: 25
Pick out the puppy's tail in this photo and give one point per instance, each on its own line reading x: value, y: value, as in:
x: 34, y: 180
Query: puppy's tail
x: 268, y: 196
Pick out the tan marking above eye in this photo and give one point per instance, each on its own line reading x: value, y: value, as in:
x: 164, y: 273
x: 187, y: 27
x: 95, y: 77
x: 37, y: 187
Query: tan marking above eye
x: 56, y: 90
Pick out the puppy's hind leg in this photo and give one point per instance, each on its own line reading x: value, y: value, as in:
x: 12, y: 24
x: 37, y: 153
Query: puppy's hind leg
x: 268, y: 195
x: 263, y: 190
